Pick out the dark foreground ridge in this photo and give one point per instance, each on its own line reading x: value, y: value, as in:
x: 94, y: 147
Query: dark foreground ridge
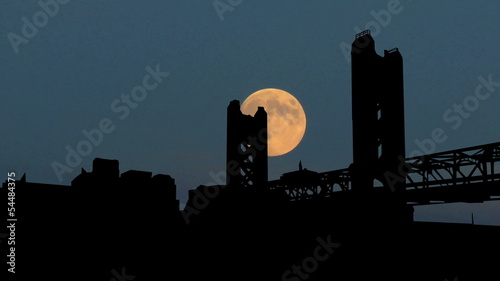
x: 350, y: 224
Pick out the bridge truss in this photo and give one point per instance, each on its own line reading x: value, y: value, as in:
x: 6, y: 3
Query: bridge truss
x: 461, y: 175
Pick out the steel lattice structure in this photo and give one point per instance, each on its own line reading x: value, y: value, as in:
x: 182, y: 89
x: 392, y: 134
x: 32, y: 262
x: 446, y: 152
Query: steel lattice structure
x: 462, y: 175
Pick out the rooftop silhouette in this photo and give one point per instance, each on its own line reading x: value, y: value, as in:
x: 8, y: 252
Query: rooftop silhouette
x: 350, y: 224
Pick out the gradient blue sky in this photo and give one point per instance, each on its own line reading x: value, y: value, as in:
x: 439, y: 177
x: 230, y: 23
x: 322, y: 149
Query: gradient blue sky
x: 65, y: 78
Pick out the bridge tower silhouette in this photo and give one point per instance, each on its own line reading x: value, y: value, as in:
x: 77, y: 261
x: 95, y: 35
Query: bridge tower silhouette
x: 246, y: 163
x: 377, y: 113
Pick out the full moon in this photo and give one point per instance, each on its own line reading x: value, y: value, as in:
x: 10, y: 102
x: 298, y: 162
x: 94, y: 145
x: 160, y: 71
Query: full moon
x: 286, y: 119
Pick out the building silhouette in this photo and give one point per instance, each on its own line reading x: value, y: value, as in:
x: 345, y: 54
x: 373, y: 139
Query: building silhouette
x: 307, y: 225
x: 103, y: 221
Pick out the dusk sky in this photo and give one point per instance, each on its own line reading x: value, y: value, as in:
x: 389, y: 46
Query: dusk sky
x: 67, y: 68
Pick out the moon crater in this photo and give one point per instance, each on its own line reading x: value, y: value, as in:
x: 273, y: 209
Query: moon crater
x: 286, y: 119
